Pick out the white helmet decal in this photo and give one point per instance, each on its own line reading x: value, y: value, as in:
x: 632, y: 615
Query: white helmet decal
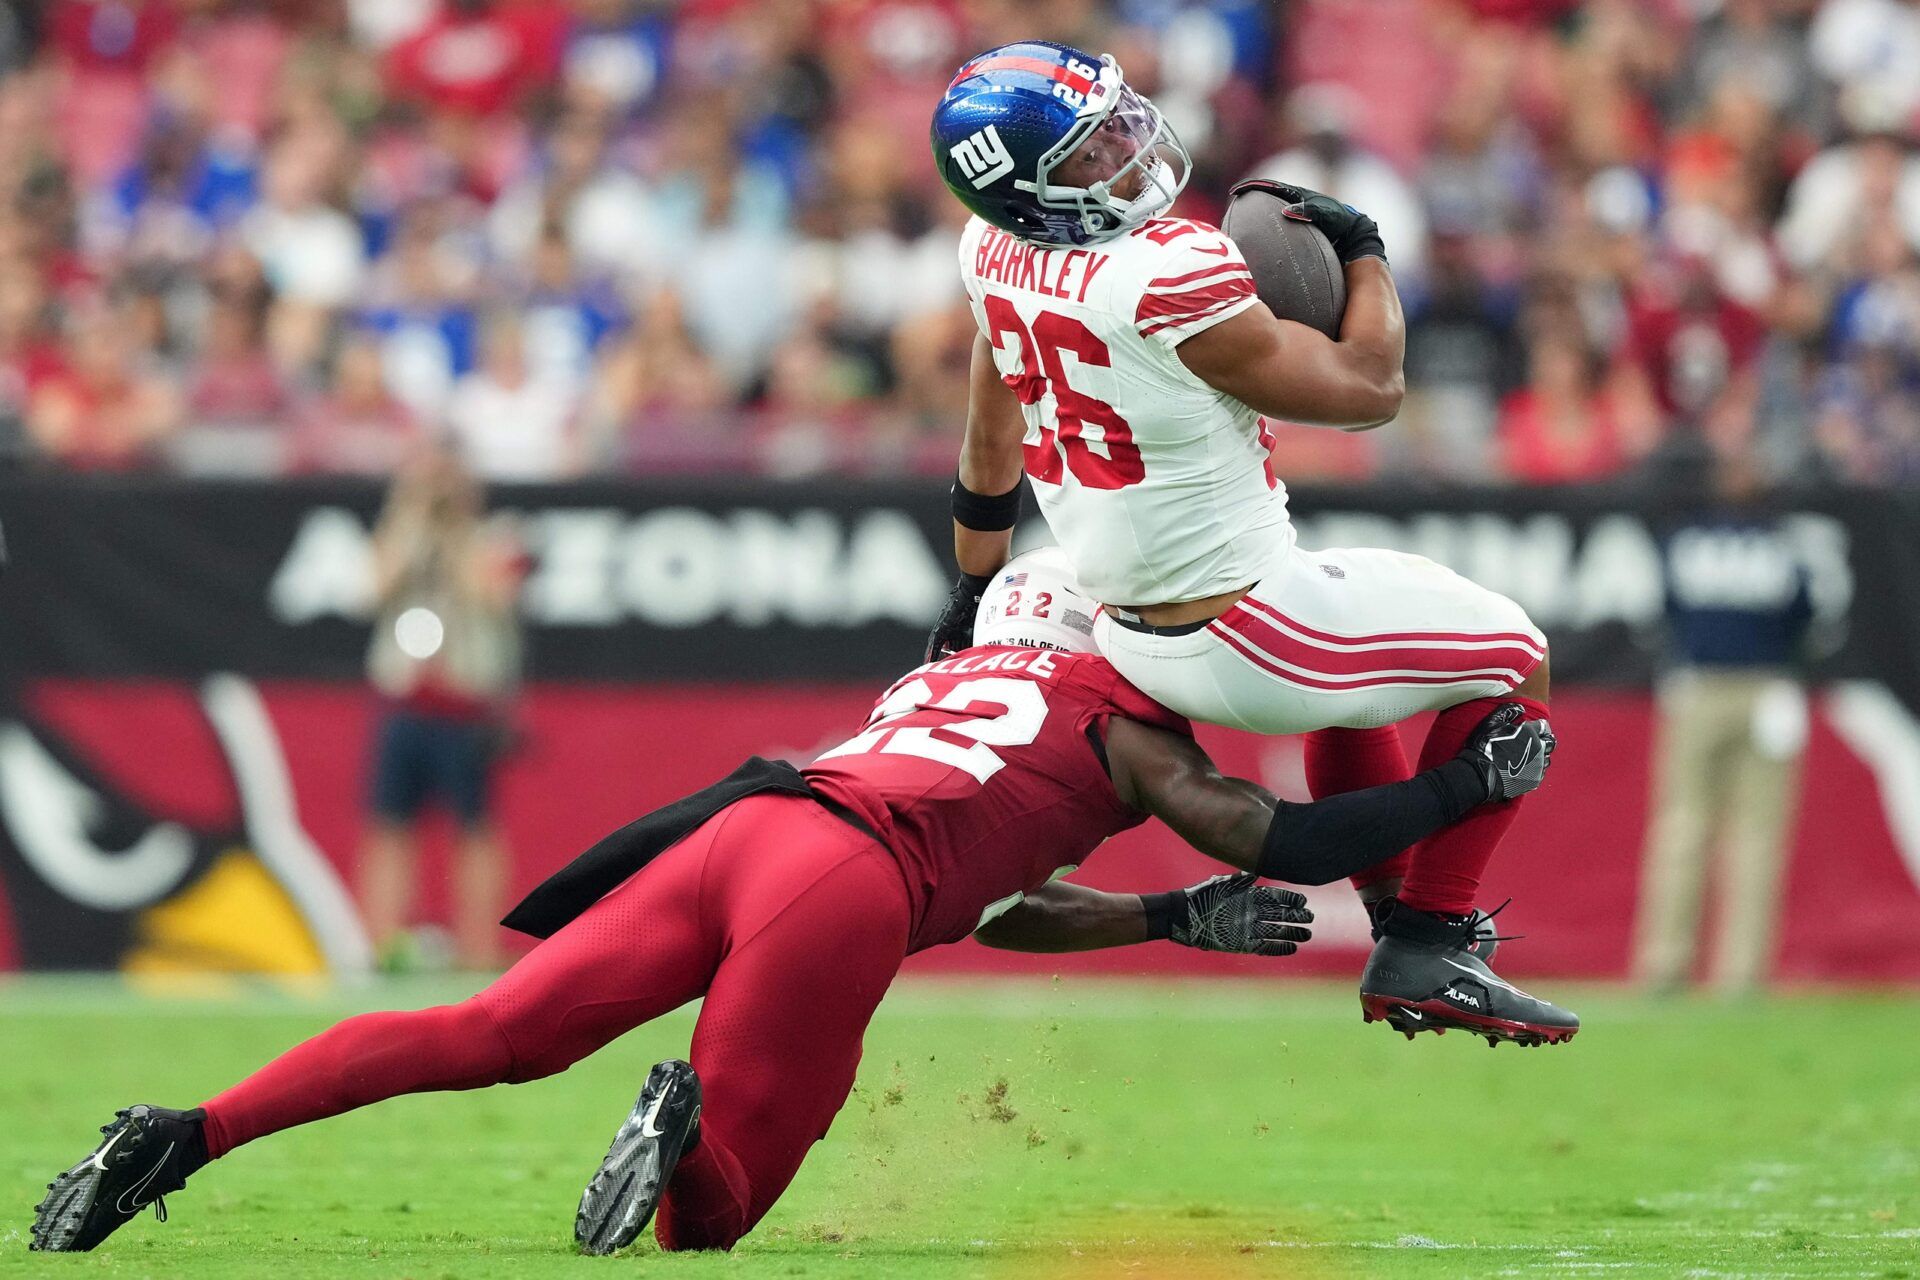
x: 1036, y: 600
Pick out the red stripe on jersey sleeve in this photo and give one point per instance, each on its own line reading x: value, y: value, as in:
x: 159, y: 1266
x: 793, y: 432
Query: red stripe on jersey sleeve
x: 1190, y: 303
x: 1223, y: 269
x: 1175, y: 322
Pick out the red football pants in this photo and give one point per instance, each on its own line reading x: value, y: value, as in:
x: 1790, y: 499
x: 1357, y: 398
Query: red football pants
x: 790, y: 922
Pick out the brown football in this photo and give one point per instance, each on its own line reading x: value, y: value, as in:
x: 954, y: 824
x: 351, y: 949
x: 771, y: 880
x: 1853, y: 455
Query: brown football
x: 1294, y: 267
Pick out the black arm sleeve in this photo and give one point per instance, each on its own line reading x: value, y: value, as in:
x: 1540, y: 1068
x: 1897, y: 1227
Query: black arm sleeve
x: 1333, y: 838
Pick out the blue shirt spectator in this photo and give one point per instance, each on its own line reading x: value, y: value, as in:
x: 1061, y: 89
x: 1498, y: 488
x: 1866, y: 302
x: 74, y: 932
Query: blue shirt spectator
x: 1738, y: 593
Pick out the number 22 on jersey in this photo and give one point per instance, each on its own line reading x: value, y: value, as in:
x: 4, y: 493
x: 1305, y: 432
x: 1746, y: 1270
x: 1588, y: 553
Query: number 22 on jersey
x: 961, y: 738
x: 1108, y: 460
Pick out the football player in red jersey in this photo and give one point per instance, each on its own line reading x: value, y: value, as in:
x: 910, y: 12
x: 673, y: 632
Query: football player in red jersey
x: 788, y: 899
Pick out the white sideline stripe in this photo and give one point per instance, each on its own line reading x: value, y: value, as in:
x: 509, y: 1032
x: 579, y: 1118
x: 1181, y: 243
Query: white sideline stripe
x: 273, y: 824
x: 1884, y: 734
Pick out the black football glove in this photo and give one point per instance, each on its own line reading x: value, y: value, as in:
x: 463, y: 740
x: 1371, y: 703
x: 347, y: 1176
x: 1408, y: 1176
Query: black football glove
x: 1233, y: 913
x: 1352, y: 233
x: 1511, y: 754
x: 954, y: 631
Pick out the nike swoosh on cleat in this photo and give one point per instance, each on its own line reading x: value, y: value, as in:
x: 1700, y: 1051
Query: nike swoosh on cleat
x: 141, y: 1185
x: 1415, y: 1014
x: 647, y: 1127
x: 99, y: 1158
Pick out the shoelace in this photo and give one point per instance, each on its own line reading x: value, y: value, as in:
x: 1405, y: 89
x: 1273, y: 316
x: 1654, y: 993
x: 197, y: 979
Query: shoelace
x: 1471, y: 922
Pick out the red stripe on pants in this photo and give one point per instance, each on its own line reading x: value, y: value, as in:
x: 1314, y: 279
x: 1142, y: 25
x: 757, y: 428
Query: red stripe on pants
x: 1227, y: 629
x: 1520, y: 639
x: 1502, y: 661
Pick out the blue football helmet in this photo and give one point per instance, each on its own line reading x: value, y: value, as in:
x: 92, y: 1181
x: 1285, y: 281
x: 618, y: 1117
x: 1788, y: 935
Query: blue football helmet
x: 1016, y: 117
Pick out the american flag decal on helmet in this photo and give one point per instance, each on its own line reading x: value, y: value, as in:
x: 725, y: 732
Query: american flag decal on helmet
x: 1014, y: 580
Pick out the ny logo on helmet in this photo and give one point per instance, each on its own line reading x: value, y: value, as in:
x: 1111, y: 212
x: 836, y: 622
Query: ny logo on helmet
x: 982, y: 157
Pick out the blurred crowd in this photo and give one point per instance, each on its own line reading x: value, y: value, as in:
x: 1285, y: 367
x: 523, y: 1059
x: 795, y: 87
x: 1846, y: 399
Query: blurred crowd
x: 633, y: 236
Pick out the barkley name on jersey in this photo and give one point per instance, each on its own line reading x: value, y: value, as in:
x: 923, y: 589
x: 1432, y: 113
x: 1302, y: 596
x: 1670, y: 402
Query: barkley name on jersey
x: 1157, y: 485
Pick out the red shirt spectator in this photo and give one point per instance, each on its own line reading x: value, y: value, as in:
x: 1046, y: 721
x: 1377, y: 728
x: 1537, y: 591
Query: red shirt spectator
x: 29, y: 353
x: 357, y: 427
x: 473, y: 59
x: 244, y: 52
x: 1687, y: 340
x: 239, y: 390
x: 107, y: 48
x: 1558, y: 429
x: 113, y: 35
x: 102, y: 410
x: 1546, y: 440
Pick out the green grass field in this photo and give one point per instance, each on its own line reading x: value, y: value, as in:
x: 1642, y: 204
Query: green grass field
x: 1071, y: 1128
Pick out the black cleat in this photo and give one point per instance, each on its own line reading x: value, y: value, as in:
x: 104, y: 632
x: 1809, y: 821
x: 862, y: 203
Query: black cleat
x: 1423, y: 975
x: 148, y: 1154
x: 664, y: 1125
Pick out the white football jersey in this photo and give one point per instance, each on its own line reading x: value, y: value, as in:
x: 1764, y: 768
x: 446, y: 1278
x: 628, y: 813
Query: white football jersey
x: 1157, y: 485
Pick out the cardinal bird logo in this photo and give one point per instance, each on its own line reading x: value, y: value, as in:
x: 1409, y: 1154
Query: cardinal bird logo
x: 93, y: 878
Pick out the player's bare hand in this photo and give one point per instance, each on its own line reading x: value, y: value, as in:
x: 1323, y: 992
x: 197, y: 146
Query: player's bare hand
x: 1512, y: 754
x: 1237, y: 913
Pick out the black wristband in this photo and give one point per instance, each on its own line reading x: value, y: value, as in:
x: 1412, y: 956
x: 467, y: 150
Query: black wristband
x: 1164, y: 910
x: 985, y: 512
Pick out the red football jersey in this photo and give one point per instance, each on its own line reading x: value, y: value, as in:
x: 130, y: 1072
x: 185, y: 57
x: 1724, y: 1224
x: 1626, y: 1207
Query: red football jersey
x: 982, y: 775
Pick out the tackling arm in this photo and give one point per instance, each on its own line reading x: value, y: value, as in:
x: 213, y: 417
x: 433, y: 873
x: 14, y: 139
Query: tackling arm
x: 1225, y: 913
x: 1067, y: 917
x: 1245, y: 826
x: 1289, y: 371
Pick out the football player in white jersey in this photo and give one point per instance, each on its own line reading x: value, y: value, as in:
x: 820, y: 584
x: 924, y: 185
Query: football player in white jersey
x: 1126, y: 365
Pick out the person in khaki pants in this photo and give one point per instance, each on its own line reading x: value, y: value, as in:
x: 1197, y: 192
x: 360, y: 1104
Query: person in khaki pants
x: 1733, y: 722
x: 1729, y: 765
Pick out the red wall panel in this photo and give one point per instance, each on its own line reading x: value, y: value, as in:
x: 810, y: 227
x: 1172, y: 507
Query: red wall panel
x: 594, y: 756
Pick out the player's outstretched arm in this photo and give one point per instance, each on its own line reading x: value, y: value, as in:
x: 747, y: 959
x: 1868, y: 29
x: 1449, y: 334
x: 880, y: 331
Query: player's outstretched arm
x: 1247, y: 827
x: 1224, y: 913
x: 1289, y: 371
x: 1067, y: 917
